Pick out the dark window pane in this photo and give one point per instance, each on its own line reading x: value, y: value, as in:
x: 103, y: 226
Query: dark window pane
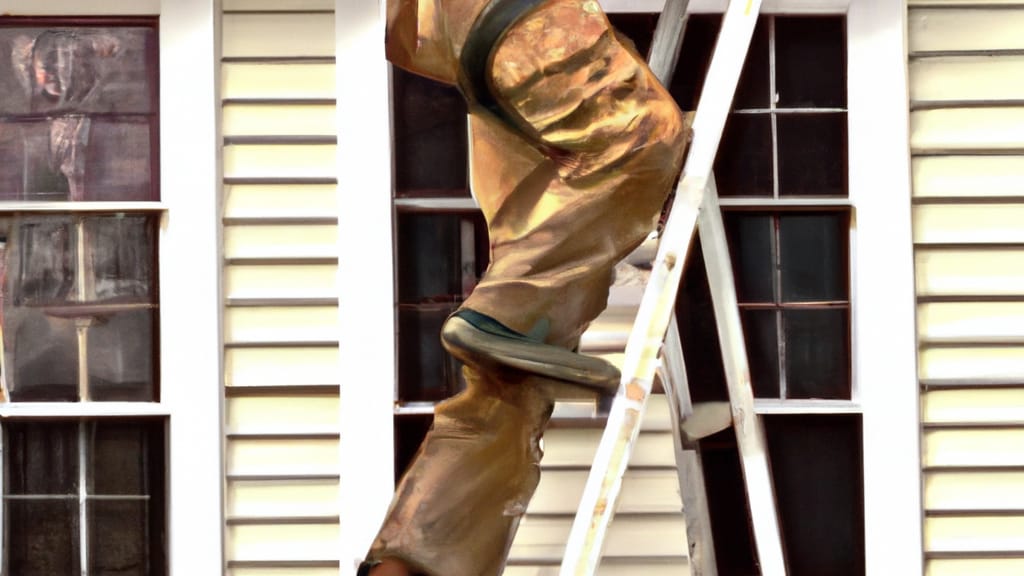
x: 119, y: 534
x: 638, y: 27
x: 816, y: 465
x: 754, y: 89
x: 439, y: 255
x: 817, y: 353
x: 694, y: 57
x: 814, y: 256
x: 41, y: 352
x: 751, y: 239
x: 743, y: 166
x: 761, y: 332
x: 42, y: 458
x: 810, y: 62
x: 727, y: 505
x: 42, y: 264
x: 430, y: 137
x: 812, y: 154
x: 705, y: 373
x: 42, y: 537
x: 425, y: 371
x: 122, y: 257
x: 123, y: 456
x: 121, y: 350
x: 410, y: 429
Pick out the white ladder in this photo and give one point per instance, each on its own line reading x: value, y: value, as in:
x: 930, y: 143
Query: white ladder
x: 695, y: 206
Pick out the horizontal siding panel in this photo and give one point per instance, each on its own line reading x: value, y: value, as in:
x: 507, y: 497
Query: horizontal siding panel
x: 281, y: 366
x: 672, y: 567
x: 280, y: 161
x: 282, y: 414
x: 282, y: 457
x: 975, y: 567
x: 279, y: 120
x: 261, y: 324
x: 292, y: 241
x: 278, y: 35
x: 974, y: 447
x: 643, y: 491
x: 995, y: 405
x: 974, y: 534
x: 970, y: 271
x: 290, y: 571
x: 968, y: 176
x: 281, y: 201
x: 292, y: 80
x: 628, y: 536
x: 297, y: 542
x: 282, y: 281
x: 569, y: 447
x: 967, y: 78
x: 995, y: 362
x: 959, y: 224
x: 278, y: 5
x: 994, y: 128
x: 965, y: 29
x: 281, y: 498
x: 974, y: 491
x: 943, y: 321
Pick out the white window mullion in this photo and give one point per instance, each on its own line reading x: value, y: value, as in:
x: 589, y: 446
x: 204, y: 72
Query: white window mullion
x: 83, y: 496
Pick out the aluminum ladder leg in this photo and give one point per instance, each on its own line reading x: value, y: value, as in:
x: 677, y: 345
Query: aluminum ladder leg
x: 693, y: 200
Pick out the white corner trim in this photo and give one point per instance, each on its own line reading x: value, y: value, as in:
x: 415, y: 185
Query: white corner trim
x: 366, y: 300
x: 885, y: 353
x: 191, y: 374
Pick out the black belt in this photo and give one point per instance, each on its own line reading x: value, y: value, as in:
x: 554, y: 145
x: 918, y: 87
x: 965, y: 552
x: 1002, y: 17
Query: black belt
x: 487, y: 30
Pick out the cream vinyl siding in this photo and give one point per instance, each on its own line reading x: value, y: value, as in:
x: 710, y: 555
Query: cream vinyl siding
x: 648, y: 533
x: 967, y: 141
x: 280, y: 281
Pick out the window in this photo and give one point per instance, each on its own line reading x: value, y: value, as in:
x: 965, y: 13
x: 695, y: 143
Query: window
x: 79, y: 180
x: 781, y: 172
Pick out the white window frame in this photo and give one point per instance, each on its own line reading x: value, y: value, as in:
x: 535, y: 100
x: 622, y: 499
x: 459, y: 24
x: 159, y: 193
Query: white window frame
x: 882, y: 284
x: 189, y: 256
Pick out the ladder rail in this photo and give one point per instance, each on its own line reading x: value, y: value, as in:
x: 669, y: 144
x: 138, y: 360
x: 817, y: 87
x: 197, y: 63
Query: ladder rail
x: 600, y: 495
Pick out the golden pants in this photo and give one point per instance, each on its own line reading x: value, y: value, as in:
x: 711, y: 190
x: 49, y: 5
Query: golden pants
x: 573, y: 184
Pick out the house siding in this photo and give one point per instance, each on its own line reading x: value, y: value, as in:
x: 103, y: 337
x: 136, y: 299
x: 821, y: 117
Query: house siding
x: 280, y: 288
x: 967, y: 145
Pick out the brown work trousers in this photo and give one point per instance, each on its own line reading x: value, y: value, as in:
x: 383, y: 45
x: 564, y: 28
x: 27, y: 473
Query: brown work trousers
x: 570, y: 180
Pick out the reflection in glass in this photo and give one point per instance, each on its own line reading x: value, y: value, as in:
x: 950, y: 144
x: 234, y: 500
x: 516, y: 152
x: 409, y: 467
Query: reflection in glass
x: 121, y: 347
x: 42, y: 265
x: 121, y: 256
x: 41, y: 356
x: 440, y: 255
x: 814, y: 256
x: 743, y: 166
x: 817, y: 353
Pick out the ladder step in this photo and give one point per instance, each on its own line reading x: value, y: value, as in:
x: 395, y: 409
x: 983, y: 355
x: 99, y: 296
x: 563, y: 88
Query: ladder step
x: 708, y: 418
